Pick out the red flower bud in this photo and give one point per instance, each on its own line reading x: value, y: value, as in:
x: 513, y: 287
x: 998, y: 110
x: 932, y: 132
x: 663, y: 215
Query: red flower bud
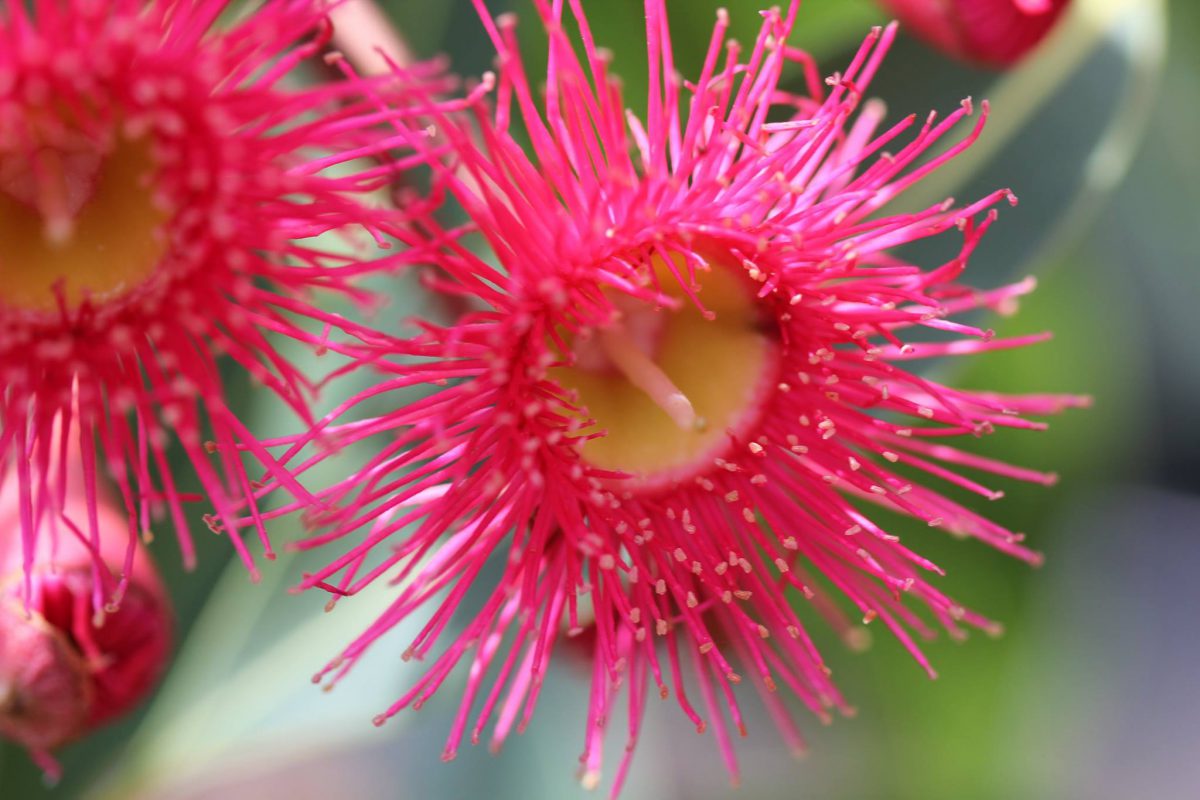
x: 69, y: 660
x: 993, y: 32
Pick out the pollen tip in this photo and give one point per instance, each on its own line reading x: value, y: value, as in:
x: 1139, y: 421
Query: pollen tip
x: 58, y: 231
x: 680, y: 409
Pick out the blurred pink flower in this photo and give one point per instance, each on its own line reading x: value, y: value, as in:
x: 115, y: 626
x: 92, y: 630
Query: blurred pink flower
x: 161, y: 179
x: 66, y: 665
x: 994, y: 32
x: 680, y: 392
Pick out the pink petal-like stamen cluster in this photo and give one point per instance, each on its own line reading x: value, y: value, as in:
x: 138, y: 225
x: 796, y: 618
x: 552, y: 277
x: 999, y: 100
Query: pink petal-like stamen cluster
x: 248, y: 167
x: 486, y: 471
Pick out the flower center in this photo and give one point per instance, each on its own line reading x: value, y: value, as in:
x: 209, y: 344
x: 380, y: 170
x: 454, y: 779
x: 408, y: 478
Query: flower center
x: 76, y: 220
x: 668, y: 387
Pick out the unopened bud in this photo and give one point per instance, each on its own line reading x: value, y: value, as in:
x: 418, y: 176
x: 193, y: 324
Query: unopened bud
x: 68, y: 665
x: 993, y: 32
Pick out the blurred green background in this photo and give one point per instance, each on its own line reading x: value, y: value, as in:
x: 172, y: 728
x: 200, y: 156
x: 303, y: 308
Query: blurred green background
x: 1092, y: 692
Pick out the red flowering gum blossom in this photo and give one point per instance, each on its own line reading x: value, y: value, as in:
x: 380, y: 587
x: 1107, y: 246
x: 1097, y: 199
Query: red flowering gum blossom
x: 993, y: 32
x: 64, y: 667
x: 680, y: 419
x: 162, y: 182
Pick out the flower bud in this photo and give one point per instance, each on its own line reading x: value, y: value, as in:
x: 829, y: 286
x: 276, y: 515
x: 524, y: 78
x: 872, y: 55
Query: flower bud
x: 69, y: 660
x: 997, y: 33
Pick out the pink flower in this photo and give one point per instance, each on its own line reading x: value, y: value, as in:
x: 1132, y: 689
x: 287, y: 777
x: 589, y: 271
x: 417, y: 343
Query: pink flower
x: 680, y: 394
x: 161, y: 179
x: 994, y: 32
x: 66, y: 666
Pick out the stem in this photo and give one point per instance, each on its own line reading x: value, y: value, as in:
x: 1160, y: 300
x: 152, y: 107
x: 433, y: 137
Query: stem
x: 365, y: 35
x: 361, y: 30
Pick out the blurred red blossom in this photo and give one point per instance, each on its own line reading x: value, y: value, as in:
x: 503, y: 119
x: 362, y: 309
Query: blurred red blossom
x: 680, y: 391
x: 163, y: 179
x: 994, y: 32
x: 68, y: 666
